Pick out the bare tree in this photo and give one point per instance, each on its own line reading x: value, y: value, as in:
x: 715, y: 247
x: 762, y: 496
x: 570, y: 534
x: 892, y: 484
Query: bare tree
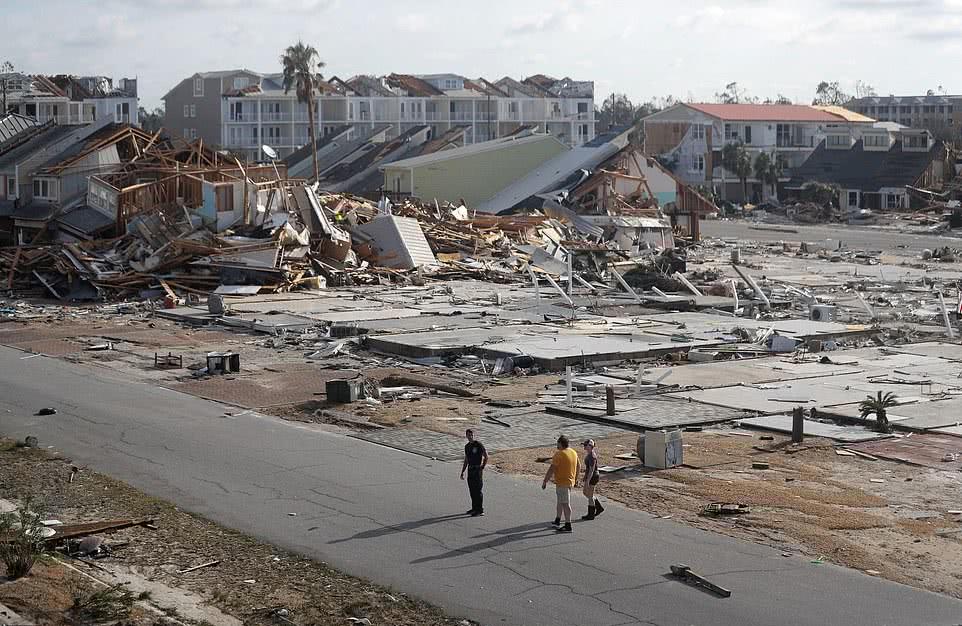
x: 864, y: 90
x: 827, y: 94
x: 733, y: 94
x: 5, y: 68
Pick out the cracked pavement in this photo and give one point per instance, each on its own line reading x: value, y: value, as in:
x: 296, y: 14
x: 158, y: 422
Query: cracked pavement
x: 397, y: 519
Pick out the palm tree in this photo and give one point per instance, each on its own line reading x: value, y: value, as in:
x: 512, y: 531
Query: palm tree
x: 737, y: 160
x: 300, y: 61
x: 878, y: 405
x: 768, y: 169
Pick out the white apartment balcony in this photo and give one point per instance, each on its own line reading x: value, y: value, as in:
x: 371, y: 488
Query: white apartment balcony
x: 435, y: 116
x: 69, y: 120
x: 462, y: 116
x: 485, y: 116
x: 273, y: 116
x: 274, y: 142
x: 511, y: 116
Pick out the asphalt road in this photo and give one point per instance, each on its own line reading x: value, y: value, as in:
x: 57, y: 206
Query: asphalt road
x: 396, y: 518
x: 852, y: 236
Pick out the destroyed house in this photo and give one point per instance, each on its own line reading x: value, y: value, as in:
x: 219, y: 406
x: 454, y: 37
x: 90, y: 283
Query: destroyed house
x: 359, y: 171
x: 242, y: 110
x: 51, y: 175
x: 689, y: 138
x: 875, y: 172
x: 71, y: 100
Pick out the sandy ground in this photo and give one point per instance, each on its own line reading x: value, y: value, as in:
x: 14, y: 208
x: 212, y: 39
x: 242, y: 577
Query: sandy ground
x: 312, y: 592
x: 810, y: 501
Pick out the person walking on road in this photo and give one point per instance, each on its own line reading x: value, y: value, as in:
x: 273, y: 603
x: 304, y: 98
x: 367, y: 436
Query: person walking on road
x: 564, y: 471
x: 475, y: 458
x: 592, y: 477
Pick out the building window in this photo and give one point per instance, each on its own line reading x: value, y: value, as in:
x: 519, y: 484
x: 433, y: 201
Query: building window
x: 254, y: 133
x: 853, y: 198
x: 698, y: 132
x: 240, y: 82
x: 916, y: 141
x: 193, y: 133
x: 697, y: 163
x: 198, y: 87
x: 186, y: 110
x: 731, y: 132
x: 783, y: 135
x: 44, y: 189
x: 186, y: 133
x: 875, y: 141
x: 893, y: 201
x: 837, y: 140
x: 237, y: 111
x: 193, y: 110
x: 11, y: 188
x: 748, y: 134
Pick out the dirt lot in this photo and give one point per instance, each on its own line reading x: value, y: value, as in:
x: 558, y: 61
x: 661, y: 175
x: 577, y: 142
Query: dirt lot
x: 251, y: 579
x: 810, y: 501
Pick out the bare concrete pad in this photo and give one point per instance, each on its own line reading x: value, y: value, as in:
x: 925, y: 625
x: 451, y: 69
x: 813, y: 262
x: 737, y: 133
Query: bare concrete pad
x: 943, y: 350
x: 783, y: 424
x: 772, y: 398
x: 558, y: 351
x: 934, y: 414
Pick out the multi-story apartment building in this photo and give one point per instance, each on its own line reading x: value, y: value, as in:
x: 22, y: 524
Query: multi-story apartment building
x: 939, y: 114
x: 242, y: 110
x: 69, y: 100
x: 691, y: 137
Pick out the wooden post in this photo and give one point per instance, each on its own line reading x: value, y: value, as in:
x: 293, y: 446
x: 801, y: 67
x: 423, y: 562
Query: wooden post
x: 609, y: 400
x: 798, y: 424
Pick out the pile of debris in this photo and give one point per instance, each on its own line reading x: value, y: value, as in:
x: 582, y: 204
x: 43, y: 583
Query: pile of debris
x: 289, y: 235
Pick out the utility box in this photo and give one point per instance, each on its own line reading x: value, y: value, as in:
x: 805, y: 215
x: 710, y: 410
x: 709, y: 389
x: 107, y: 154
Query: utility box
x: 344, y: 391
x: 663, y: 449
x: 223, y: 362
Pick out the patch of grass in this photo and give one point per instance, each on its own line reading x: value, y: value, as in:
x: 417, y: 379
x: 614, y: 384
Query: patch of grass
x: 101, y: 607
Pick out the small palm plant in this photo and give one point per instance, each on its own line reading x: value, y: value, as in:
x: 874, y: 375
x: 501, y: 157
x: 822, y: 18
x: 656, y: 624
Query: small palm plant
x: 878, y: 405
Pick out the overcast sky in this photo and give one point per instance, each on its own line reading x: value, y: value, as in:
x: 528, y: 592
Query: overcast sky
x: 645, y: 49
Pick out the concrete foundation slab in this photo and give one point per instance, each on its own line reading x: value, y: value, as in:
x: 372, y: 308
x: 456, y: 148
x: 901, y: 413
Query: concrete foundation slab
x: 772, y: 398
x: 783, y: 424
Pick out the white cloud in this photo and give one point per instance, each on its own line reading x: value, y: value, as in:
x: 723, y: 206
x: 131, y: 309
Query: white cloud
x: 415, y: 22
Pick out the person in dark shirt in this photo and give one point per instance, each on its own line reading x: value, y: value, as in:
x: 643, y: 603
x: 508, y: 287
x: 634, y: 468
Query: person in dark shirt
x: 475, y: 458
x: 592, y: 476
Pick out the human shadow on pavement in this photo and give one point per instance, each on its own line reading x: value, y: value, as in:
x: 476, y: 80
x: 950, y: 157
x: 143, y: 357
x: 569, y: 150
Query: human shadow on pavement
x: 400, y: 528
x: 501, y: 537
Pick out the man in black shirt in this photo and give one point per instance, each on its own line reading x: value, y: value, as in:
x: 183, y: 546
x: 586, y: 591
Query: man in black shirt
x: 475, y: 458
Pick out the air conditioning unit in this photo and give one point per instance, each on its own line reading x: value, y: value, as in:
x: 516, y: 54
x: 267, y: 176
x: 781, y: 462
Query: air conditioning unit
x: 821, y: 313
